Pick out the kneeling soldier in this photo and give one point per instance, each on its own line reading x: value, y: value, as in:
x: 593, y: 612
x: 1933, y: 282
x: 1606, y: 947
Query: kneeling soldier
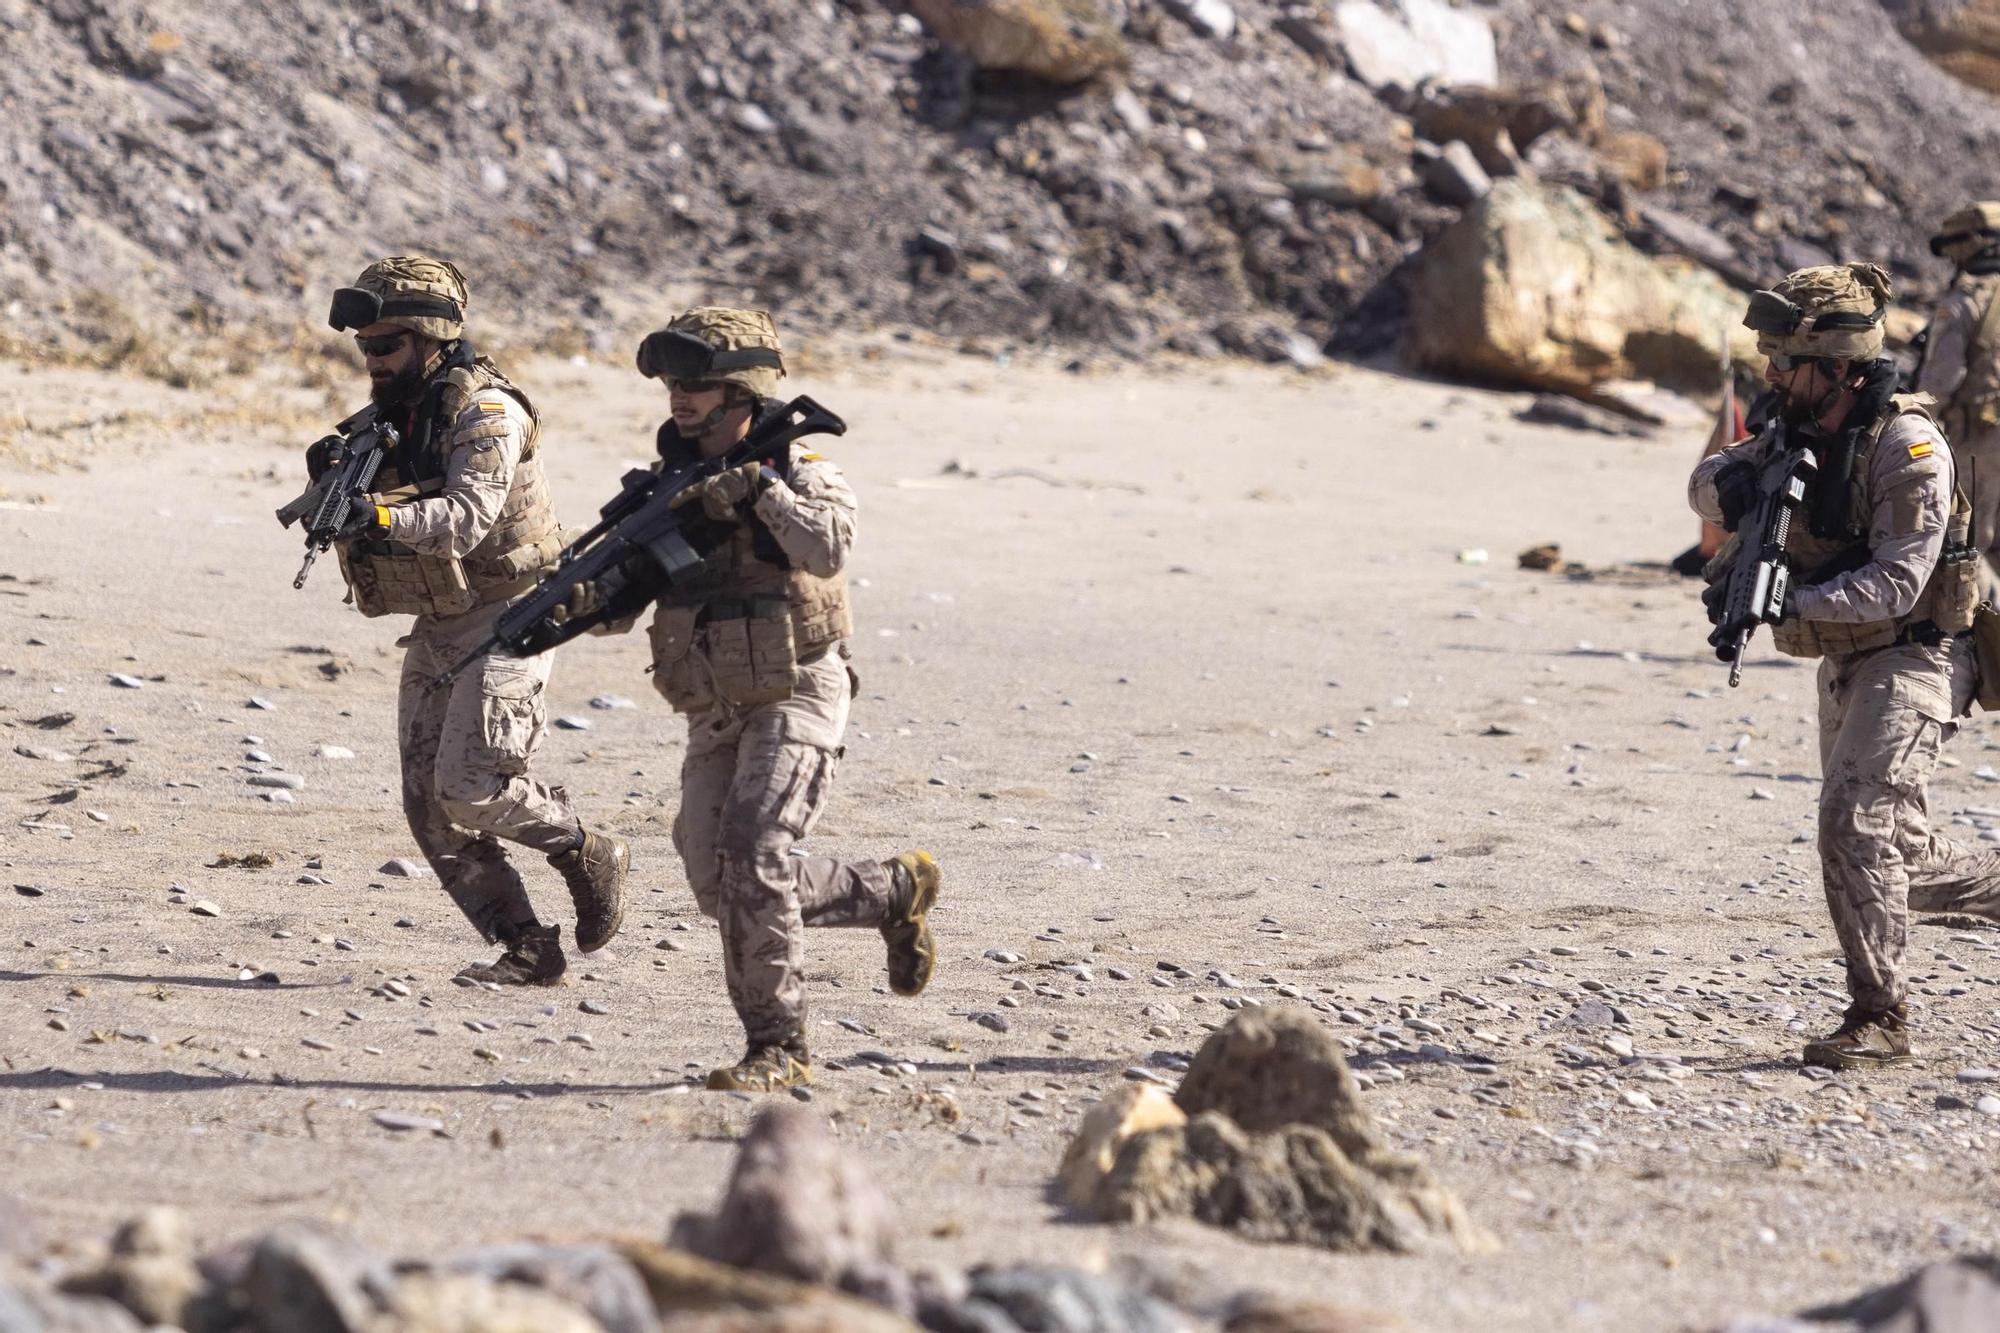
x: 462, y: 524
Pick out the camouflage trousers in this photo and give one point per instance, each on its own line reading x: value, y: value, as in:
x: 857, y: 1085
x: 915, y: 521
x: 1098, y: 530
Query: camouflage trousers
x: 465, y: 750
x: 754, y: 782
x: 1883, y: 717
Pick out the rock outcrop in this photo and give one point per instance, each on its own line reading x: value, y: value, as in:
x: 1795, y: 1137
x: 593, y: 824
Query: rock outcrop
x: 1533, y: 286
x: 1276, y: 1146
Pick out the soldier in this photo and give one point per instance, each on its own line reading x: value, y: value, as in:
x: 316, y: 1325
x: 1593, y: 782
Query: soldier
x: 1961, y: 364
x: 753, y: 650
x: 464, y: 523
x: 1888, y: 615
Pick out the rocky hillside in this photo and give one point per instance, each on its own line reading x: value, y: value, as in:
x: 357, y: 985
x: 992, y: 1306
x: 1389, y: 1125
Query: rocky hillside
x: 1116, y: 176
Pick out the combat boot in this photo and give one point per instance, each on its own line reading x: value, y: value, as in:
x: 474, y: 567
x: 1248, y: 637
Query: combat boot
x: 595, y: 873
x: 534, y: 957
x: 1864, y: 1041
x: 766, y: 1067
x: 907, y: 932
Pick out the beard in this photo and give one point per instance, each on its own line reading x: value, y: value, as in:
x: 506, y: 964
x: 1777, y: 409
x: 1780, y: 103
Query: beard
x: 402, y: 387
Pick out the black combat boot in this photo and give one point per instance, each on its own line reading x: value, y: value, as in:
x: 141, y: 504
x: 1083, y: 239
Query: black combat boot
x: 595, y: 873
x: 907, y: 931
x: 534, y: 957
x: 1865, y: 1040
x: 766, y: 1067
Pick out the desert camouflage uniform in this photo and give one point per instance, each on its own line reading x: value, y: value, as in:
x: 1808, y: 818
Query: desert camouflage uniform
x: 466, y: 747
x: 1884, y: 714
x: 1954, y: 345
x: 756, y: 778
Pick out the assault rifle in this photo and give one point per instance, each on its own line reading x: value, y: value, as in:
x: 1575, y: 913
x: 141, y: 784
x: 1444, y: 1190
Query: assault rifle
x: 1762, y: 575
x: 640, y: 539
x: 356, y: 454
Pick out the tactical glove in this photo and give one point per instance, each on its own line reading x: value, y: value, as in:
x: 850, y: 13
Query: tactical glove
x: 723, y: 494
x: 1735, y: 492
x: 1715, y: 598
x: 322, y: 455
x: 364, y: 520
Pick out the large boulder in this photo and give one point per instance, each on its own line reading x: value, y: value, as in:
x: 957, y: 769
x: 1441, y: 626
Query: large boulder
x: 1534, y: 287
x: 1057, y: 41
x: 1958, y: 1296
x: 1962, y: 37
x: 1278, y: 1147
x: 1408, y: 43
x: 799, y: 1206
x: 150, y: 1271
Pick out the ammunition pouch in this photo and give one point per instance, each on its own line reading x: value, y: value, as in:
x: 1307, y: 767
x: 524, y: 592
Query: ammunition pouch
x: 733, y: 652
x: 389, y: 580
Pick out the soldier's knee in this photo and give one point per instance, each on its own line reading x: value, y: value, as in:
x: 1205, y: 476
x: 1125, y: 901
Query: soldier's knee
x: 467, y: 791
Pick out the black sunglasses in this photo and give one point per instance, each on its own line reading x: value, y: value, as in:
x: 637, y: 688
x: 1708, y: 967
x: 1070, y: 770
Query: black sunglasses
x: 381, y: 344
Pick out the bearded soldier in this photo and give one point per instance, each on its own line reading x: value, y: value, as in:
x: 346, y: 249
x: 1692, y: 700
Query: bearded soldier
x: 1961, y: 362
x: 462, y: 523
x: 752, y: 649
x: 1884, y: 585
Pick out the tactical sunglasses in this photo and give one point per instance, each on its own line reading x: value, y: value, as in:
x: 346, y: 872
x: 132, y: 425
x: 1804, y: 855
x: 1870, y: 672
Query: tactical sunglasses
x: 695, y: 386
x: 357, y: 308
x: 382, y: 344
x: 675, y: 354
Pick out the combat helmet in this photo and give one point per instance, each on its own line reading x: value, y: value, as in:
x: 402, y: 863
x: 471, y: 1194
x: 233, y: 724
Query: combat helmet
x: 1828, y: 311
x: 1968, y: 233
x: 416, y: 292
x: 716, y: 344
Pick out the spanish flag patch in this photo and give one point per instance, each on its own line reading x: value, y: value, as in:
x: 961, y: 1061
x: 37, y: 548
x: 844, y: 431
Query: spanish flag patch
x: 493, y: 407
x: 811, y: 458
x: 1921, y: 449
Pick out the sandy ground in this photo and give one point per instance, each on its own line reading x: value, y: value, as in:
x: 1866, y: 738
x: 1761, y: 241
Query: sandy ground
x: 1324, y: 753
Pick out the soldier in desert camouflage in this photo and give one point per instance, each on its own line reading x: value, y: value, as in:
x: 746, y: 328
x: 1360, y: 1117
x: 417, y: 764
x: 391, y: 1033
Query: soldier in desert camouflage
x: 753, y: 650
x: 1884, y: 583
x: 462, y: 523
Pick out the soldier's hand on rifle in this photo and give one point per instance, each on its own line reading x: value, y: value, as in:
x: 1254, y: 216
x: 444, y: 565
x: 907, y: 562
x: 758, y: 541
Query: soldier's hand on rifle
x: 364, y: 520
x: 588, y: 598
x: 1715, y: 599
x: 723, y: 494
x: 323, y: 455
x: 1735, y: 492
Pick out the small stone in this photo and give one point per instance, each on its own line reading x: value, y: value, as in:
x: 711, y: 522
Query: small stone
x: 125, y: 682
x: 1978, y: 1075
x: 334, y: 752
x: 401, y: 1120
x: 315, y: 1044
x: 571, y: 723
x: 264, y: 705
x: 593, y: 1007
x: 404, y: 868
x: 991, y: 1021
x: 284, y: 781
x: 205, y: 908
x: 611, y: 701
x: 1988, y: 1105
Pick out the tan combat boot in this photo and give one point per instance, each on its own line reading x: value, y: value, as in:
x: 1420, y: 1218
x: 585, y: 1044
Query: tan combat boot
x: 766, y: 1068
x: 534, y: 957
x: 907, y: 932
x: 1864, y: 1041
x: 595, y: 873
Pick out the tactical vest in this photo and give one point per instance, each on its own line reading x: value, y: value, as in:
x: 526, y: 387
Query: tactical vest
x: 390, y: 579
x: 1975, y: 407
x: 733, y: 634
x: 1948, y: 598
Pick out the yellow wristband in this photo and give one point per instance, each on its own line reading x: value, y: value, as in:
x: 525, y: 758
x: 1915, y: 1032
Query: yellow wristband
x: 382, y: 517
